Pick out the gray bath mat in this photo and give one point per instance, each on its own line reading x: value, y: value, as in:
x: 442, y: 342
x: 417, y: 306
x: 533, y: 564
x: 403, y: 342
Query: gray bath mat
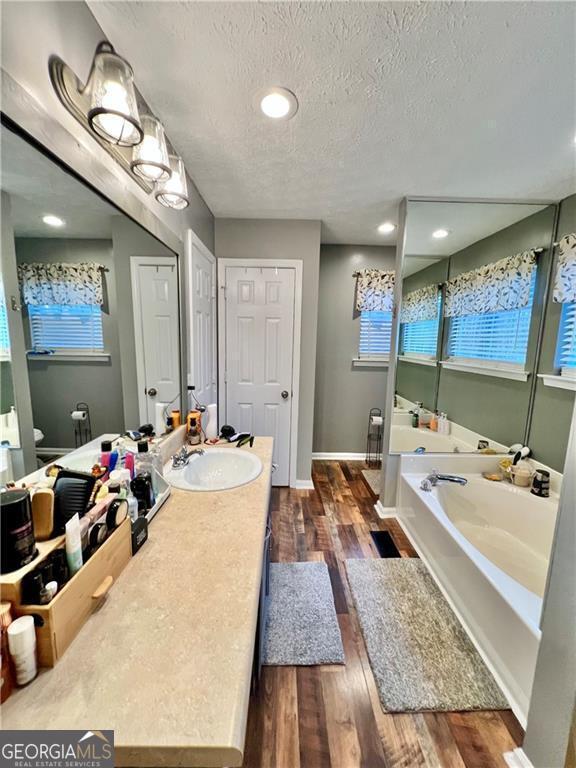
x: 420, y: 655
x: 372, y: 477
x: 302, y: 627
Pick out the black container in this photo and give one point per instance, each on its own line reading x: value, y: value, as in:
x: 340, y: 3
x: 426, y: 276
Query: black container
x: 18, y: 545
x: 141, y: 487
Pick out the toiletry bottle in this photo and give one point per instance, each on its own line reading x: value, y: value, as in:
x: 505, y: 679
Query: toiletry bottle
x: 434, y: 422
x: 22, y: 645
x: 169, y: 425
x: 129, y: 463
x: 194, y: 433
x: 175, y: 418
x: 73, y: 544
x: 446, y: 424
x: 142, y: 460
x: 105, y: 451
x: 156, y: 458
x: 415, y: 418
x: 211, y: 429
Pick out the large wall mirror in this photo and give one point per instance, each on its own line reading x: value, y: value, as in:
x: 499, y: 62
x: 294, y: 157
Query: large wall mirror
x: 474, y: 280
x: 90, y: 313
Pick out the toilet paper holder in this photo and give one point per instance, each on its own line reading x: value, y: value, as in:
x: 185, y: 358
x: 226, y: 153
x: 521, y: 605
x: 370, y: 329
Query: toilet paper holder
x: 80, y: 416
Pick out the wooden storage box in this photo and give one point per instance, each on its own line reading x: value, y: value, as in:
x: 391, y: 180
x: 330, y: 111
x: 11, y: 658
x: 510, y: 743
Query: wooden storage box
x: 64, y: 616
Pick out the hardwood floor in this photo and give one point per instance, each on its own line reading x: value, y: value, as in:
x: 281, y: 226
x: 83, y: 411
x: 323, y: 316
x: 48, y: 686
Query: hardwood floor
x: 330, y: 716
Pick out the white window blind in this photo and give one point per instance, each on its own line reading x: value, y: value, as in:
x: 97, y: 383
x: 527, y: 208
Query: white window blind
x: 375, y: 333
x: 4, y: 335
x: 420, y: 338
x: 59, y: 327
x: 566, y: 349
x: 501, y: 337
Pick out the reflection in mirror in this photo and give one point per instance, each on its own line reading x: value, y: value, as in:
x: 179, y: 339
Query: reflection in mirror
x: 84, y: 320
x: 473, y: 280
x: 9, y: 435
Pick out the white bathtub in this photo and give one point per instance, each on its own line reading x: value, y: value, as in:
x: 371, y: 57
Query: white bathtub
x: 488, y: 546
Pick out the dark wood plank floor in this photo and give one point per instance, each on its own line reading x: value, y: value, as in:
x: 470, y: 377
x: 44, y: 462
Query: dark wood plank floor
x: 330, y: 716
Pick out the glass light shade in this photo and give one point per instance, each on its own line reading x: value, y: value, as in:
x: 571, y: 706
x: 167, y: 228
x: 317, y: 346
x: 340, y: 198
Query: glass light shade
x: 173, y: 193
x: 113, y: 111
x: 150, y: 157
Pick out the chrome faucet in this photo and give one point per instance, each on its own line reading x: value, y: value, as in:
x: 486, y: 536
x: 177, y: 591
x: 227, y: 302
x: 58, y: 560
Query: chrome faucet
x: 435, y: 477
x: 183, y: 456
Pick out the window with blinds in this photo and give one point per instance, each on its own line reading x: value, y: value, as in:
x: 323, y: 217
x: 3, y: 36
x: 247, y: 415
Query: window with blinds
x: 58, y: 327
x: 501, y: 337
x: 420, y: 339
x: 566, y: 349
x: 375, y: 333
x: 4, y: 335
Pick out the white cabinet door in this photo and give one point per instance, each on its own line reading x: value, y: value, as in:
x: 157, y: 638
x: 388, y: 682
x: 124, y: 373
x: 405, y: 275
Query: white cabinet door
x: 201, y: 325
x: 158, y: 341
x: 259, y: 356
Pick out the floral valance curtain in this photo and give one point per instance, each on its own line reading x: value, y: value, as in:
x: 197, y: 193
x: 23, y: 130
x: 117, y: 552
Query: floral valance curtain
x: 69, y: 284
x: 374, y: 290
x: 501, y: 285
x: 565, y: 280
x: 421, y: 304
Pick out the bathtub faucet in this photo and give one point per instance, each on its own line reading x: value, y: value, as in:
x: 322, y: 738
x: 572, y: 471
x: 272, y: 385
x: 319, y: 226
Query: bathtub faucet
x: 435, y: 477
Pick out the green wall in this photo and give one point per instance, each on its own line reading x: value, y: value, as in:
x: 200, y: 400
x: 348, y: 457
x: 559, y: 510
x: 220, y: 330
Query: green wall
x: 344, y: 394
x: 553, y: 407
x: 415, y: 381
x: 6, y: 386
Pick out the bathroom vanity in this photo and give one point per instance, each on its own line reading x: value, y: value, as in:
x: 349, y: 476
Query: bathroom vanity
x: 167, y: 661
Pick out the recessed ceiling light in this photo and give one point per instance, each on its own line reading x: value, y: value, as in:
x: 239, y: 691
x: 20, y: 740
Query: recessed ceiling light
x: 278, y: 103
x: 53, y: 221
x: 440, y: 233
x: 386, y: 228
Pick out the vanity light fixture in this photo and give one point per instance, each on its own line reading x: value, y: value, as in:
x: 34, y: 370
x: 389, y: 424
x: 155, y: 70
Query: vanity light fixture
x: 150, y: 157
x: 386, y: 227
x: 278, y: 103
x: 113, y: 112
x: 438, y: 234
x: 173, y: 193
x: 53, y: 221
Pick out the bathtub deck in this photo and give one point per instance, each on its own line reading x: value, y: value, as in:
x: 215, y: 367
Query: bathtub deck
x: 330, y: 717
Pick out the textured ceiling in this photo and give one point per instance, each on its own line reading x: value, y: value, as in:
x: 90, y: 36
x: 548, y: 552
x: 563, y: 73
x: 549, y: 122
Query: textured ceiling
x: 426, y: 98
x: 37, y: 187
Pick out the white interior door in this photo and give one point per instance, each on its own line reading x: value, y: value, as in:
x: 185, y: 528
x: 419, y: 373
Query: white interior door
x: 155, y: 294
x: 259, y: 356
x: 202, y: 323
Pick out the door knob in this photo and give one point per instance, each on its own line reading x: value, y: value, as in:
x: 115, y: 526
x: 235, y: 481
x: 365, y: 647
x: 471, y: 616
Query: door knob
x: 152, y: 392
x: 284, y: 394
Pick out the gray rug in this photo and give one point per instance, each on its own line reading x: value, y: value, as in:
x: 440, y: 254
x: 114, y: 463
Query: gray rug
x: 372, y: 477
x: 302, y: 626
x: 420, y: 655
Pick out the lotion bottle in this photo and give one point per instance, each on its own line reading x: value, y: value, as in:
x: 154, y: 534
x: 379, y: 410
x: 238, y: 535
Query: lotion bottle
x: 73, y: 544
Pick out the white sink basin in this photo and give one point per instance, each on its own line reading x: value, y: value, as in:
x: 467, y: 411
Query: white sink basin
x: 218, y: 469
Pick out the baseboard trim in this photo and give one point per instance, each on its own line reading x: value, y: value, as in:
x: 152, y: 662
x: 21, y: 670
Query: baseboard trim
x: 384, y: 512
x: 517, y: 759
x: 339, y: 456
x: 303, y: 485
